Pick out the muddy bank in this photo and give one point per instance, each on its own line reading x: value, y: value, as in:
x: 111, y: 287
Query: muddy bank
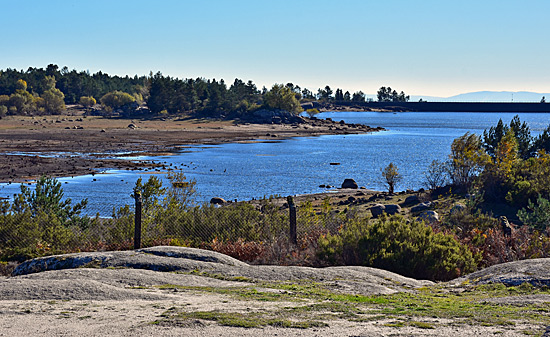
x: 88, y: 144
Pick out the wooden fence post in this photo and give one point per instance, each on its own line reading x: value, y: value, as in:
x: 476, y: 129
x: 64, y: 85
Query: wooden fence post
x: 137, y: 221
x: 292, y: 209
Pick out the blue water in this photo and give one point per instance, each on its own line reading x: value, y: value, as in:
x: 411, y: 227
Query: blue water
x: 300, y: 165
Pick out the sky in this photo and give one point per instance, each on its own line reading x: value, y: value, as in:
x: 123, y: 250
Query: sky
x: 433, y: 48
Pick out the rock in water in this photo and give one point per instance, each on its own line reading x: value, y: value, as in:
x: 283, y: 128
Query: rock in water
x: 350, y: 183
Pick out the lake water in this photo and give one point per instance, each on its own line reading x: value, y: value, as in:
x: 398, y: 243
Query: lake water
x: 300, y: 165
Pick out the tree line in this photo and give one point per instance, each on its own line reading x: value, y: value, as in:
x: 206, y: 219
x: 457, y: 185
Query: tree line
x: 46, y: 91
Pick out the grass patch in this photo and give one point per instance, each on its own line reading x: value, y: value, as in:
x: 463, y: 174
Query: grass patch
x: 471, y: 306
x: 468, y: 306
x: 220, y: 276
x: 421, y: 325
x: 395, y: 324
x: 245, y: 320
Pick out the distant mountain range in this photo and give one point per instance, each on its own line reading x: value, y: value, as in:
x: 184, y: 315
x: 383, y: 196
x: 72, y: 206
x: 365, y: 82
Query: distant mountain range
x: 488, y: 96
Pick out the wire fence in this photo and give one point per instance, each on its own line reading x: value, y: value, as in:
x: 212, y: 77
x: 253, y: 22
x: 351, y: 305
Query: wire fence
x: 265, y: 231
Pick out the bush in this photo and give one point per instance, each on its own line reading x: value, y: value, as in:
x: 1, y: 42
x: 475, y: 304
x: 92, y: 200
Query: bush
x: 40, y: 222
x: 54, y: 101
x: 536, y: 215
x: 437, y: 175
x: 116, y: 99
x: 87, y: 101
x: 406, y: 247
x: 312, y: 112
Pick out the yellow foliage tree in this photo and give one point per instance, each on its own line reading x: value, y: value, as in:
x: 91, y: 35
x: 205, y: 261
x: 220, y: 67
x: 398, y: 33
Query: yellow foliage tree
x: 282, y: 98
x: 87, y: 101
x: 21, y: 85
x: 467, y: 159
x: 506, y: 154
x: 54, y: 102
x: 391, y: 176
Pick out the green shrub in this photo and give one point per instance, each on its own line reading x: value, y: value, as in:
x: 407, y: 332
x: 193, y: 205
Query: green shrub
x: 116, y: 99
x: 536, y: 215
x: 409, y: 248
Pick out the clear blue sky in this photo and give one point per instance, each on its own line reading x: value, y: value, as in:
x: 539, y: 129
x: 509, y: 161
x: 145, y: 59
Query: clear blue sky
x: 437, y: 48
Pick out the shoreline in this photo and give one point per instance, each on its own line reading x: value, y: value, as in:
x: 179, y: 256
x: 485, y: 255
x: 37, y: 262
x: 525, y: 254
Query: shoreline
x: 91, y: 142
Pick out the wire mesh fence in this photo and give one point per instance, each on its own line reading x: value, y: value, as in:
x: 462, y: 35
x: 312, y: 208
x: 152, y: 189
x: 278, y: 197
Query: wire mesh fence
x: 265, y: 231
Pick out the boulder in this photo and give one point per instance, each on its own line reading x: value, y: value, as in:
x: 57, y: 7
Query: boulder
x: 458, y: 208
x: 217, y: 201
x: 350, y: 183
x: 308, y: 105
x: 377, y: 210
x: 429, y: 217
x: 411, y: 200
x: 421, y: 207
x: 393, y: 209
x: 273, y: 116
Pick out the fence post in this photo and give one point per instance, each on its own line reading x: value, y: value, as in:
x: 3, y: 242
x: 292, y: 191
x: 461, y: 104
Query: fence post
x: 137, y: 221
x: 292, y: 208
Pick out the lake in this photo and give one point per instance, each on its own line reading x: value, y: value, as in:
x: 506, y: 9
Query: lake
x: 300, y: 165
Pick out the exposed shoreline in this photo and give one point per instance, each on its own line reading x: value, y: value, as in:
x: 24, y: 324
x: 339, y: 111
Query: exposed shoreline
x: 91, y: 143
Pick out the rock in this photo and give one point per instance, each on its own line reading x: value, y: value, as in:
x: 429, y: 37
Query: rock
x: 421, y: 207
x: 429, y: 217
x: 533, y: 271
x: 458, y: 208
x: 273, y: 117
x: 350, y: 183
x: 334, y: 163
x: 393, y: 209
x: 102, y: 130
x: 217, y: 201
x: 377, y: 210
x: 306, y: 106
x: 132, y: 126
x: 322, y: 186
x: 411, y: 200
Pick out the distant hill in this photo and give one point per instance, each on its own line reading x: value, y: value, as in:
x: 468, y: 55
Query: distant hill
x: 488, y: 96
